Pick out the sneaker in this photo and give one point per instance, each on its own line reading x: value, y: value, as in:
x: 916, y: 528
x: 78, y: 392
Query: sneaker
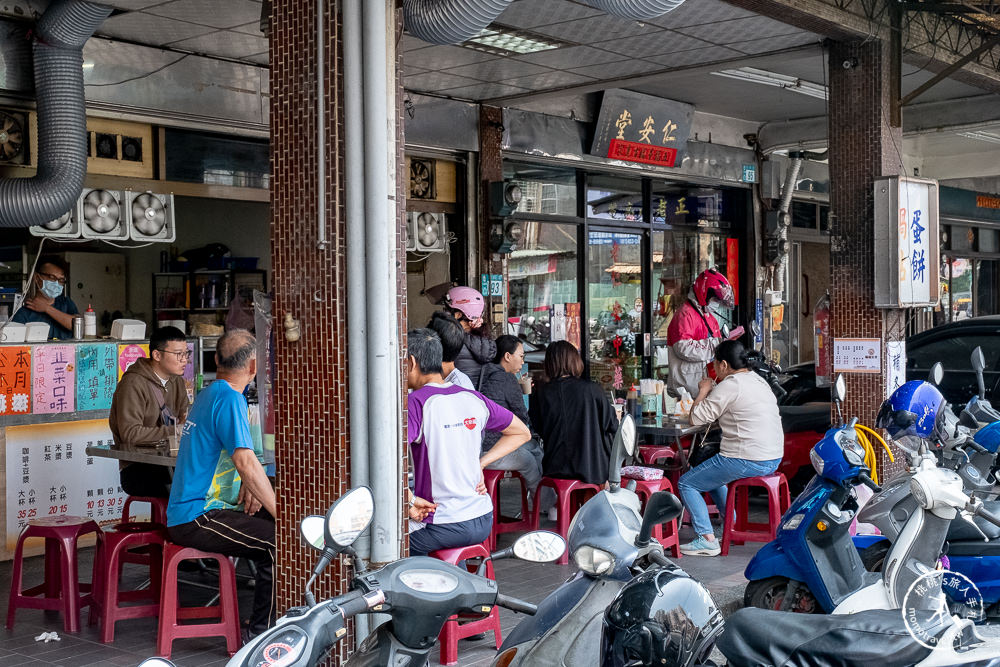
x: 699, y: 546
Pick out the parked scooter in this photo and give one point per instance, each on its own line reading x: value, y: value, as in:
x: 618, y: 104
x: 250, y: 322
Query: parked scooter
x: 610, y: 542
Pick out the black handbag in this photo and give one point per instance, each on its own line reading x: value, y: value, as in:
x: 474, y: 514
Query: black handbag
x: 704, y: 449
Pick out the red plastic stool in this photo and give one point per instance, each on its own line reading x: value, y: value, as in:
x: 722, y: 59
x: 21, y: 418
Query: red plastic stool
x: 113, y: 553
x: 566, y: 490
x: 493, y: 479
x: 713, y: 511
x: 646, y: 488
x: 227, y: 611
x: 62, y: 588
x: 454, y: 630
x: 650, y: 454
x: 778, y: 502
x: 157, y: 509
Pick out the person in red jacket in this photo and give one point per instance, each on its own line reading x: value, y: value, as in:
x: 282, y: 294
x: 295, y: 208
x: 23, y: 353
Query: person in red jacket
x: 694, y: 332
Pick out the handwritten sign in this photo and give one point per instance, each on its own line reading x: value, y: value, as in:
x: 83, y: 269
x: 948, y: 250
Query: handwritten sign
x: 857, y: 355
x: 128, y: 354
x: 96, y: 378
x: 53, y: 378
x: 895, y: 352
x: 15, y: 380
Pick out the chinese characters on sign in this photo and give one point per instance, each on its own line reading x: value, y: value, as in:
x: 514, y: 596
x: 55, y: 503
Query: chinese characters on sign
x: 53, y: 378
x: 129, y: 354
x: 633, y: 127
x: 15, y: 380
x: 857, y: 355
x: 906, y: 212
x: 896, y: 364
x: 96, y: 377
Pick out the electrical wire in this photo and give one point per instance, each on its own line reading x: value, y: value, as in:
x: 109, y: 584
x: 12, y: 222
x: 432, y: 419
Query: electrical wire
x: 140, y: 76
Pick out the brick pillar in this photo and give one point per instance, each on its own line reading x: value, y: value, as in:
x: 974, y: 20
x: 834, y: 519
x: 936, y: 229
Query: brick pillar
x: 490, y: 170
x: 863, y: 147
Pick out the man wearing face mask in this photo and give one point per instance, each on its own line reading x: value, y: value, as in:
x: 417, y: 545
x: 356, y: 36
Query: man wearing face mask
x: 47, y: 301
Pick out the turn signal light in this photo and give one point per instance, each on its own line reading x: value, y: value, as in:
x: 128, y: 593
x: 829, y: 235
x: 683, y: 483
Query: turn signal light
x: 505, y: 658
x: 821, y: 526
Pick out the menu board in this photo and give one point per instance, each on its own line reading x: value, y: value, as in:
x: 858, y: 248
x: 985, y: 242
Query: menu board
x: 15, y: 380
x: 53, y: 380
x: 128, y: 354
x: 49, y: 474
x: 857, y: 355
x: 96, y: 378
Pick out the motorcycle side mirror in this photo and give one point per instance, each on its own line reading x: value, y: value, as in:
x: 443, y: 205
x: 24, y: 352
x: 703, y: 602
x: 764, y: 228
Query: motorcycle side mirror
x: 539, y: 546
x: 725, y: 330
x: 349, y: 517
x: 312, y: 528
x: 978, y: 360
x: 662, y: 507
x: 156, y: 662
x: 936, y: 374
x: 624, y: 444
x: 755, y: 329
x: 840, y: 389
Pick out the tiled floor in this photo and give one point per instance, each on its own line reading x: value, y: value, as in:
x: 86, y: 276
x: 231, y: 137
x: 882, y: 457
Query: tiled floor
x: 135, y: 640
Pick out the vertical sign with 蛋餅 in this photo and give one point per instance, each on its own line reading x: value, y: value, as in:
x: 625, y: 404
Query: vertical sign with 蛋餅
x: 96, y: 375
x: 15, y: 380
x: 907, y: 246
x: 53, y: 378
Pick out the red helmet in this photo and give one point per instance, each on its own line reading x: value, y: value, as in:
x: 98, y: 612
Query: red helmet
x: 710, y: 284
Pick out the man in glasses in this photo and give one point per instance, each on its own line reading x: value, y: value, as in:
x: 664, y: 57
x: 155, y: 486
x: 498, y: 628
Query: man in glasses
x: 148, y: 405
x: 47, y: 302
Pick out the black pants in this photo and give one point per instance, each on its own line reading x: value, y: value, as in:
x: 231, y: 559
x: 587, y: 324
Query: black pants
x: 235, y: 533
x: 146, y: 479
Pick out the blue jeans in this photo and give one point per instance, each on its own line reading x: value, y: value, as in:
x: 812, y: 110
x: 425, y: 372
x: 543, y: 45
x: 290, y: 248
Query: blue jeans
x: 436, y: 536
x: 712, y: 476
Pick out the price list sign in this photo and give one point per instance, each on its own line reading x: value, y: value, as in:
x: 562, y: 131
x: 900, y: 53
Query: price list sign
x: 857, y: 355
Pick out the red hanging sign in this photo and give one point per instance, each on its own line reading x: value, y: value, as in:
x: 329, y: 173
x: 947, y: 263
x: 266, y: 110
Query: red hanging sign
x: 733, y: 266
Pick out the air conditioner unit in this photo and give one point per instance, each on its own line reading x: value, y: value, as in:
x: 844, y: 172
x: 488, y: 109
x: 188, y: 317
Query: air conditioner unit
x: 66, y: 226
x: 150, y: 216
x: 428, y: 232
x: 101, y: 216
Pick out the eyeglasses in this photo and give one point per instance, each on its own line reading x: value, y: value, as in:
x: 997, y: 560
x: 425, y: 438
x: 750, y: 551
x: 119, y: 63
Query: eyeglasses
x: 186, y: 354
x: 48, y: 276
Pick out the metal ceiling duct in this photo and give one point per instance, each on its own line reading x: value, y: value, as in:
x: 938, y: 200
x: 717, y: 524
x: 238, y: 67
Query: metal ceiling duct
x: 57, y: 49
x: 637, y: 10
x: 450, y: 21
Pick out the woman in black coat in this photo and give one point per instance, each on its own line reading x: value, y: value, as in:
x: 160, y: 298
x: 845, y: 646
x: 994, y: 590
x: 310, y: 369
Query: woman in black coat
x: 574, y: 419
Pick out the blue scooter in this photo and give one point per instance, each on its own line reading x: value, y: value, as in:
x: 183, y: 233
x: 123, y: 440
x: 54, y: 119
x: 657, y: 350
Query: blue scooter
x: 812, y: 565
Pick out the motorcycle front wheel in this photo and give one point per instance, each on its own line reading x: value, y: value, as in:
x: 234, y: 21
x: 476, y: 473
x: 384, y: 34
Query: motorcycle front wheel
x: 770, y: 594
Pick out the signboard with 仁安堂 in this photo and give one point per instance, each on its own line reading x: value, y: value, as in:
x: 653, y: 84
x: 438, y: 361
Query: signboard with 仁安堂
x: 96, y: 377
x: 857, y: 355
x: 633, y: 127
x: 53, y: 378
x: 15, y: 380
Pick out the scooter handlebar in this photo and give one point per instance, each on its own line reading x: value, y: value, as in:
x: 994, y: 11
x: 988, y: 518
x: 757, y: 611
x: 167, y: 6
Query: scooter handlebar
x: 869, y: 482
x: 989, y: 516
x: 972, y: 444
x: 358, y: 602
x: 516, y: 605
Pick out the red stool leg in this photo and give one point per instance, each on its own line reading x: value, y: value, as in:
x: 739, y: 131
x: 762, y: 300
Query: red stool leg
x: 564, y: 503
x: 168, y: 603
x: 230, y: 608
x: 728, y: 520
x: 69, y: 579
x: 16, y: 580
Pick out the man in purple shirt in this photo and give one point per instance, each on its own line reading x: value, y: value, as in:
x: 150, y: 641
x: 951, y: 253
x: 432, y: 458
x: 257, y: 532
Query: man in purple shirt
x: 445, y: 428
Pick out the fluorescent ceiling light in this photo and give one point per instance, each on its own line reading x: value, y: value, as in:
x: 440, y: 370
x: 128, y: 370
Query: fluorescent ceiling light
x: 504, y: 41
x: 763, y: 77
x: 982, y: 135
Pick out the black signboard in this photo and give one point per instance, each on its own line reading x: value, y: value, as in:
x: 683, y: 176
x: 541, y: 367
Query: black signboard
x: 633, y: 127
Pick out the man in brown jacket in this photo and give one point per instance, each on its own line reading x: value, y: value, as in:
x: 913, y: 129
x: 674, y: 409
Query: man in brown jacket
x: 149, y: 402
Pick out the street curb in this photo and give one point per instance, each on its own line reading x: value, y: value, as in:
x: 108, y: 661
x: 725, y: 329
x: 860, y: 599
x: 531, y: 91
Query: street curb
x: 730, y: 599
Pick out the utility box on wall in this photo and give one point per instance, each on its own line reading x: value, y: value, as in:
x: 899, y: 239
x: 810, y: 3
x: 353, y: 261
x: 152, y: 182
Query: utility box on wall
x: 907, y: 242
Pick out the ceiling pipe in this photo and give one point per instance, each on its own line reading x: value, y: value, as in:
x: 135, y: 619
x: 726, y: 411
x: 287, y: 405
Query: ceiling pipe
x: 59, y: 37
x: 450, y: 21
x: 637, y: 10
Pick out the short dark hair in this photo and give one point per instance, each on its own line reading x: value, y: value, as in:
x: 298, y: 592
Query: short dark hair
x: 57, y: 262
x: 733, y: 353
x: 562, y: 358
x: 164, y: 335
x: 505, y: 344
x: 451, y: 333
x: 235, y: 349
x: 425, y: 348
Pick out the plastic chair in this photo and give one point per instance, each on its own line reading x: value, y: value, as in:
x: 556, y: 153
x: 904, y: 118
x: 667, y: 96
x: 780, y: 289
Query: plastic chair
x: 650, y: 454
x: 171, y: 612
x: 61, y: 588
x: 453, y: 629
x: 567, y: 490
x: 739, y: 529
x: 493, y: 479
x: 157, y: 509
x: 646, y: 488
x: 114, y: 553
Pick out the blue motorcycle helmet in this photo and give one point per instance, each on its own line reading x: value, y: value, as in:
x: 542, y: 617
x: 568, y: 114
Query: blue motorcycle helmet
x: 915, y: 411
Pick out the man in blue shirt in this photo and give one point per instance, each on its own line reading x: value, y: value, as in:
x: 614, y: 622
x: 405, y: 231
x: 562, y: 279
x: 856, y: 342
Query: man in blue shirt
x: 219, y: 486
x: 47, y: 302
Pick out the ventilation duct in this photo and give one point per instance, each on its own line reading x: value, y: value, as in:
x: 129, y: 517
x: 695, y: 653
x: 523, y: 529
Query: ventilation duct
x: 60, y: 35
x: 637, y: 10
x: 450, y: 21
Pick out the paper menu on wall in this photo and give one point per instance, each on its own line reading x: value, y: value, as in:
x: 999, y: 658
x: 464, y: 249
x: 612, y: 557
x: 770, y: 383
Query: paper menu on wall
x: 53, y: 378
x: 857, y: 355
x: 15, y: 380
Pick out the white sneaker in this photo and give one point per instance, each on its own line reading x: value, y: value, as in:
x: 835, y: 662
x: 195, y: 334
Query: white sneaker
x: 553, y: 514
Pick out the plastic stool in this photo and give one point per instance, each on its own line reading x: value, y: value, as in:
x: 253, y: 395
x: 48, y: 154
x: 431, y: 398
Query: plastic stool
x: 112, y: 554
x: 157, y: 509
x: 778, y: 502
x: 227, y: 611
x: 650, y: 454
x: 493, y: 479
x: 644, y: 489
x: 565, y: 490
x: 454, y: 630
x: 62, y: 588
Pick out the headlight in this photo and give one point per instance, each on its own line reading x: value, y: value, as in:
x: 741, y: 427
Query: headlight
x: 593, y: 561
x: 817, y: 461
x: 917, y: 489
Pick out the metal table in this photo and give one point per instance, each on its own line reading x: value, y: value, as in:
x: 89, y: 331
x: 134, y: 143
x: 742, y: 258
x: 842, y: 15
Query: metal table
x: 671, y: 427
x: 159, y: 455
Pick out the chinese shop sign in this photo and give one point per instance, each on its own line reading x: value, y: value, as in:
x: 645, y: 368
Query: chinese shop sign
x: 53, y: 378
x: 633, y: 127
x: 96, y: 376
x: 15, y: 380
x: 907, y: 249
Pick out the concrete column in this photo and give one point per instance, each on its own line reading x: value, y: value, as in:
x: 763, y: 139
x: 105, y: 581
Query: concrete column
x: 863, y: 147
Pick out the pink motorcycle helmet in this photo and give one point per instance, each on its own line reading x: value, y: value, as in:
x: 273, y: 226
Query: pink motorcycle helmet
x: 467, y: 300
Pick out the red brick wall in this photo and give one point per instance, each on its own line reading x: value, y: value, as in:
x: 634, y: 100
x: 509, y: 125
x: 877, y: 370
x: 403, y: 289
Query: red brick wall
x: 490, y: 169
x: 863, y: 147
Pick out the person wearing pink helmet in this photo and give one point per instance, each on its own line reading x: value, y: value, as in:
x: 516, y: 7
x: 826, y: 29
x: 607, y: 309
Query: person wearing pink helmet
x: 467, y: 305
x: 694, y: 332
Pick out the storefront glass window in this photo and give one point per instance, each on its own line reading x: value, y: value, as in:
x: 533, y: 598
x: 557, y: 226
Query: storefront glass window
x: 615, y: 308
x: 614, y: 198
x: 544, y: 190
x: 544, y: 305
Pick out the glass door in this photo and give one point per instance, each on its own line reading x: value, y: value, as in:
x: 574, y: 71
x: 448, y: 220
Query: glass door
x: 614, y: 307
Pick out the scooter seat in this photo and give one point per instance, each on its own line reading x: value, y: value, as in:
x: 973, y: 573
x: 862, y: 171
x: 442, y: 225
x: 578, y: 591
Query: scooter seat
x: 960, y: 530
x: 808, y: 417
x: 758, y: 637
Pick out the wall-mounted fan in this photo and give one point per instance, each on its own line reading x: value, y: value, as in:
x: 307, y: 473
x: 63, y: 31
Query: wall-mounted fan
x: 150, y: 216
x: 13, y: 137
x: 64, y: 227
x: 101, y: 215
x: 428, y: 232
